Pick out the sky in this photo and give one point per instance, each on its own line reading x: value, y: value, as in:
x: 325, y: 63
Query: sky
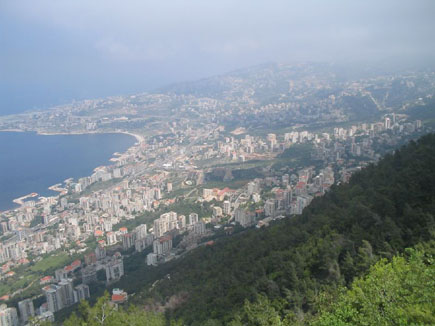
x: 55, y: 51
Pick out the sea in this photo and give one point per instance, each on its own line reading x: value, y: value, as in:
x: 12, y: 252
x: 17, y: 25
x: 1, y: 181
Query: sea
x: 31, y: 163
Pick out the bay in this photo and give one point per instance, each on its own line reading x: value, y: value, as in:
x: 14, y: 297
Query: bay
x: 31, y: 163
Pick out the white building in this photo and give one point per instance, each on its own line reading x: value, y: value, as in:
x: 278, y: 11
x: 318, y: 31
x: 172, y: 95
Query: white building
x: 269, y: 207
x: 227, y: 207
x: 152, y: 259
x: 53, y: 298
x: 141, y: 244
x: 65, y: 287
x: 165, y: 223
x: 162, y: 245
x: 199, y: 228
x: 217, y: 211
x: 26, y: 310
x: 8, y: 316
x: 193, y: 218
x: 141, y: 231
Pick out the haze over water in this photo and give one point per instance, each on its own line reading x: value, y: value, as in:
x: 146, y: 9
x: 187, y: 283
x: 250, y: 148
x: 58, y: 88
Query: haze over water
x: 32, y: 163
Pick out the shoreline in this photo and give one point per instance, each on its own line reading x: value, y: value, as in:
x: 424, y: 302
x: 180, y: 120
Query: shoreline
x: 139, y: 140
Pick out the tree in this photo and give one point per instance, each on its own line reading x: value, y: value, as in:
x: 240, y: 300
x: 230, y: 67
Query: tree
x: 104, y: 313
x: 395, y: 293
x: 259, y: 313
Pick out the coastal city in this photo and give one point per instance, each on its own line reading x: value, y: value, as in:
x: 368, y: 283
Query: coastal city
x: 222, y: 163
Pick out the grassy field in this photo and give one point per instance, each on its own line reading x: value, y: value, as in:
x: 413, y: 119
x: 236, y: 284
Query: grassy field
x: 51, y: 262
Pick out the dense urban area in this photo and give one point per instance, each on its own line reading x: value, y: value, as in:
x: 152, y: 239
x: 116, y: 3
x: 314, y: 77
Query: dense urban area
x: 212, y: 158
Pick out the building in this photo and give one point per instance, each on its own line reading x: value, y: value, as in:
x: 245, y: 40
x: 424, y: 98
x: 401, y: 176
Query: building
x: 199, y: 228
x: 66, y: 290
x: 81, y: 292
x: 60, y: 274
x: 301, y: 203
x: 181, y: 222
x: 141, y: 231
x: 89, y: 274
x: 8, y: 316
x: 165, y: 223
x: 26, y: 310
x: 387, y: 123
x: 217, y: 211
x: 252, y: 188
x: 100, y: 252
x: 152, y: 259
x: 227, y: 207
x: 90, y: 258
x: 141, y: 244
x: 193, y: 218
x: 128, y: 240
x: 269, y: 207
x: 53, y: 298
x: 119, y: 296
x: 114, y: 269
x: 162, y: 245
x: 244, y: 217
x: 111, y: 238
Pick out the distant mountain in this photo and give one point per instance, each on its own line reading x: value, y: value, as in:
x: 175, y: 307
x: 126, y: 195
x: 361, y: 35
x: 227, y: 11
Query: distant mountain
x: 267, y: 97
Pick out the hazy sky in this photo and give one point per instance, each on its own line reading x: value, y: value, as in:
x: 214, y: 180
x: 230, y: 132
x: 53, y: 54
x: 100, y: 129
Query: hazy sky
x: 54, y: 51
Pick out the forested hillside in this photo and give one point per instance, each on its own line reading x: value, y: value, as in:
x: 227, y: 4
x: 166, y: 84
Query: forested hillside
x: 282, y: 272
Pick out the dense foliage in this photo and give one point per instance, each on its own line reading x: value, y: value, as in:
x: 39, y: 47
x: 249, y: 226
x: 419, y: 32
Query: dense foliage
x: 104, y: 313
x: 395, y: 293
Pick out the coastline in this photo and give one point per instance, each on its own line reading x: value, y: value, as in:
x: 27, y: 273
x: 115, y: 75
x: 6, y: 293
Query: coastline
x: 139, y: 138
x: 20, y: 201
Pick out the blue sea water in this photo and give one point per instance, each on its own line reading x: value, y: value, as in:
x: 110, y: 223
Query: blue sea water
x: 31, y: 163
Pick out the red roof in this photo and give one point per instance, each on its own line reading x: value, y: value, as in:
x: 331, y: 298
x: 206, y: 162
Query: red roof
x: 76, y: 263
x: 119, y: 297
x: 165, y: 238
x: 46, y: 279
x: 68, y: 268
x: 224, y: 191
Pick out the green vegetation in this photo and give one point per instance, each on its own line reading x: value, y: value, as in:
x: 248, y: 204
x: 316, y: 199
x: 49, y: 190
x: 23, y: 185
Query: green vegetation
x: 37, y: 220
x: 298, y: 155
x: 395, y: 293
x: 27, y: 277
x: 103, y: 313
x: 51, y: 262
x: 425, y: 113
x: 97, y: 186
